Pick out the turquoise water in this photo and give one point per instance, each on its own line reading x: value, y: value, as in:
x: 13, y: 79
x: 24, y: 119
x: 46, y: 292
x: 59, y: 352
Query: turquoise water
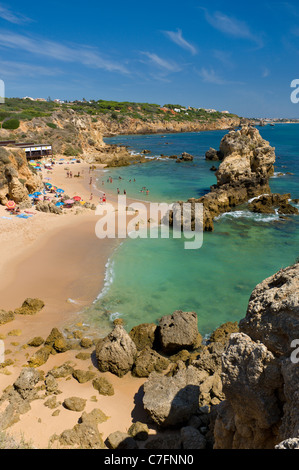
x: 148, y: 278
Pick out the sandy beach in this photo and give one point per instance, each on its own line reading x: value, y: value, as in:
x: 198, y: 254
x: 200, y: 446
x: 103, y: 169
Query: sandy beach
x: 59, y: 259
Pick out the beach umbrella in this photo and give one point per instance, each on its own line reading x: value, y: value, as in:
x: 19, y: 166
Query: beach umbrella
x: 48, y: 185
x: 10, y: 205
x: 58, y: 204
x: 31, y: 195
x: 37, y: 193
x: 69, y: 201
x: 77, y: 198
x: 60, y: 191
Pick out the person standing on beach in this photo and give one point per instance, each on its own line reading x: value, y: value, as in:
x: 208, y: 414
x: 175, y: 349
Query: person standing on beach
x: 91, y: 196
x: 117, y: 190
x: 90, y: 181
x: 125, y: 192
x: 104, y: 198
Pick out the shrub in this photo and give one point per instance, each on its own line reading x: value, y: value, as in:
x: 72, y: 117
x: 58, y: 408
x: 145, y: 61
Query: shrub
x: 11, y: 124
x: 4, y: 115
x: 71, y: 151
x: 4, y: 158
x: 52, y: 125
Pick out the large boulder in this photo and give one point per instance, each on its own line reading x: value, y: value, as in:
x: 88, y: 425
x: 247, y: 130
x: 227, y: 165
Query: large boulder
x: 148, y: 361
x: 178, y: 331
x: 30, y: 307
x: 116, y: 352
x: 171, y: 401
x: 144, y: 335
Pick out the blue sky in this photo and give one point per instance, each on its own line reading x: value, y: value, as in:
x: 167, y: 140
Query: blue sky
x: 227, y: 55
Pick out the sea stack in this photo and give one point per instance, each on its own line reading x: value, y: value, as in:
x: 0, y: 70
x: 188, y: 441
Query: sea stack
x: 247, y: 165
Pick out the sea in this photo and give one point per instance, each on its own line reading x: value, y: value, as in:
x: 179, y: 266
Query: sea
x: 147, y: 278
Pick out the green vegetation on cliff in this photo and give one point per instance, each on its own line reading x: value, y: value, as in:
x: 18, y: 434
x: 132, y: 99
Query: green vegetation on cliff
x: 26, y: 110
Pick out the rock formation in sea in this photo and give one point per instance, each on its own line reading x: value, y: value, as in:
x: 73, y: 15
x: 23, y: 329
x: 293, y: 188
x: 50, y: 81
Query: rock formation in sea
x: 243, y: 174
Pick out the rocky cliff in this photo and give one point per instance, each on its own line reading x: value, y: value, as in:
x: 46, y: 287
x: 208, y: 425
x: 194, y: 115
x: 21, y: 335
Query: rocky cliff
x: 17, y: 179
x: 79, y: 134
x: 260, y: 369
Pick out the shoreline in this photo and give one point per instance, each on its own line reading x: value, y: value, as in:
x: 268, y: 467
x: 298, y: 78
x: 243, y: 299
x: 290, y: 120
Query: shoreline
x: 29, y: 251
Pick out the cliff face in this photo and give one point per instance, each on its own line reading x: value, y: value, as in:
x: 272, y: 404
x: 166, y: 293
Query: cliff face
x: 74, y: 134
x: 17, y: 180
x: 260, y: 374
x: 137, y: 126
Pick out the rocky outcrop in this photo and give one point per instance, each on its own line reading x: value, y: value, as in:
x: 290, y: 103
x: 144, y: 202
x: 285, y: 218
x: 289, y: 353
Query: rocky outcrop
x: 270, y: 203
x: 116, y: 353
x: 17, y: 179
x: 185, y: 157
x: 214, y: 155
x: 260, y: 371
x: 19, y: 396
x: 171, y: 401
x: 243, y: 174
x: 30, y: 307
x: 85, y: 434
x: 178, y: 331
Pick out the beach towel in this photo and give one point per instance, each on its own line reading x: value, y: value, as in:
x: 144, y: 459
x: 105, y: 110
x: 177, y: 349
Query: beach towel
x: 23, y: 216
x: 7, y: 218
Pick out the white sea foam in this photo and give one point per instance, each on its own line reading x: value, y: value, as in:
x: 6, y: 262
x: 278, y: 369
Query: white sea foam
x: 113, y: 316
x: 257, y: 197
x: 108, y: 279
x: 249, y: 215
